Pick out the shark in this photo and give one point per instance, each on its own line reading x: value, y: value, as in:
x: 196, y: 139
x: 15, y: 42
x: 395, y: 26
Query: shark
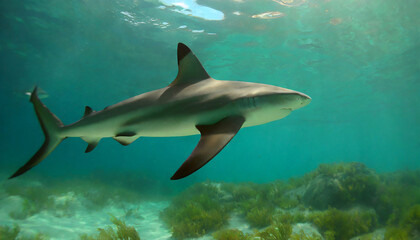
x: 194, y: 103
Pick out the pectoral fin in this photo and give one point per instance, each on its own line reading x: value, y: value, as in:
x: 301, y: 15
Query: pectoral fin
x: 213, y: 139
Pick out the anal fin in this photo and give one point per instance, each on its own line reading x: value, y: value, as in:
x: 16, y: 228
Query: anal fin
x: 92, y: 143
x: 126, y: 140
x: 213, y: 139
x: 90, y: 147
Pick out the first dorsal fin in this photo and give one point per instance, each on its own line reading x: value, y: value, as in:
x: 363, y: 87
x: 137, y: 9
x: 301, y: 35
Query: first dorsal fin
x: 190, y: 69
x: 88, y: 111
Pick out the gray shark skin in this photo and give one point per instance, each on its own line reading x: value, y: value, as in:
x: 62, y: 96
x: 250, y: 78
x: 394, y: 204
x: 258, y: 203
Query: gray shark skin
x: 194, y: 103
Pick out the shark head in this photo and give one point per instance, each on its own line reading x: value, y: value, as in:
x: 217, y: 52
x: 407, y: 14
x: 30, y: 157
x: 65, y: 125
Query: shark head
x: 291, y: 100
x: 265, y: 103
x: 274, y: 98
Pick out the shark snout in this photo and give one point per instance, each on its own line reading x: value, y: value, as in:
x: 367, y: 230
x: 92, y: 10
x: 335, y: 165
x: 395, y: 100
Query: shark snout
x: 304, y: 99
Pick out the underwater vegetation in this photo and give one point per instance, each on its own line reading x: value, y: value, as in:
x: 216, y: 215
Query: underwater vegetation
x: 340, y: 186
x: 398, y: 193
x: 196, y: 212
x: 62, y: 198
x: 344, y: 224
x: 122, y: 232
x: 8, y: 232
x: 304, y: 236
x: 231, y: 234
x: 275, y: 232
x: 408, y: 227
x: 13, y: 233
x: 361, y: 204
x: 341, y: 201
x: 34, y: 196
x: 67, y: 199
x: 260, y: 216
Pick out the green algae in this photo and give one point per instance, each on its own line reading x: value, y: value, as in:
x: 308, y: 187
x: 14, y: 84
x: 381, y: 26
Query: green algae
x: 263, y: 205
x: 340, y: 185
x: 35, y: 198
x: 61, y: 198
x: 196, y: 212
x: 399, y: 192
x: 412, y: 218
x: 301, y: 235
x: 241, y: 191
x: 37, y: 236
x: 120, y: 231
x: 8, y: 233
x: 13, y: 233
x: 290, y: 217
x: 407, y: 228
x: 231, y: 234
x: 397, y: 233
x: 206, y: 207
x: 343, y: 225
x: 260, y: 216
x: 275, y: 232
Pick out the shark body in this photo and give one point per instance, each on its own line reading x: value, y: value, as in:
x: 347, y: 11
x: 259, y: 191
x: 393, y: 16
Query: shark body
x: 194, y: 103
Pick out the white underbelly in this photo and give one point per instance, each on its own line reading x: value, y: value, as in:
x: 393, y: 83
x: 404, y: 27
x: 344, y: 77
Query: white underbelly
x: 176, y: 126
x: 262, y: 116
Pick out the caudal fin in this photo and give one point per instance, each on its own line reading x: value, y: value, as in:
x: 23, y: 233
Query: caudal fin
x: 51, y: 126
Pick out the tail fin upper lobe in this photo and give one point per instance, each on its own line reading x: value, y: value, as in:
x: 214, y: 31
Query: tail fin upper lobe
x: 51, y: 127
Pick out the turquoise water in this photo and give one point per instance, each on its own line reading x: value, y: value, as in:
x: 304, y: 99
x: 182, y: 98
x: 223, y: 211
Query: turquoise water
x: 358, y: 60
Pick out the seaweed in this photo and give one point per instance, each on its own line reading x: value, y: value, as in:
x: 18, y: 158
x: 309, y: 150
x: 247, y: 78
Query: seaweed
x: 195, y: 218
x: 396, y: 233
x: 260, y: 216
x: 29, y: 208
x: 329, y: 235
x: 243, y: 192
x: 343, y: 225
x: 61, y: 198
x: 99, y: 195
x: 35, y: 198
x: 407, y: 228
x: 303, y: 236
x: 360, y: 185
x: 122, y: 232
x: 398, y: 192
x: 412, y: 219
x: 38, y: 236
x: 289, y: 218
x: 275, y: 232
x: 231, y: 234
x: 196, y: 212
x: 341, y: 185
x: 8, y: 233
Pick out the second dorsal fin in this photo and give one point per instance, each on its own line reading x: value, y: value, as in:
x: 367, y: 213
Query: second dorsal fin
x: 190, y: 69
x: 88, y: 111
